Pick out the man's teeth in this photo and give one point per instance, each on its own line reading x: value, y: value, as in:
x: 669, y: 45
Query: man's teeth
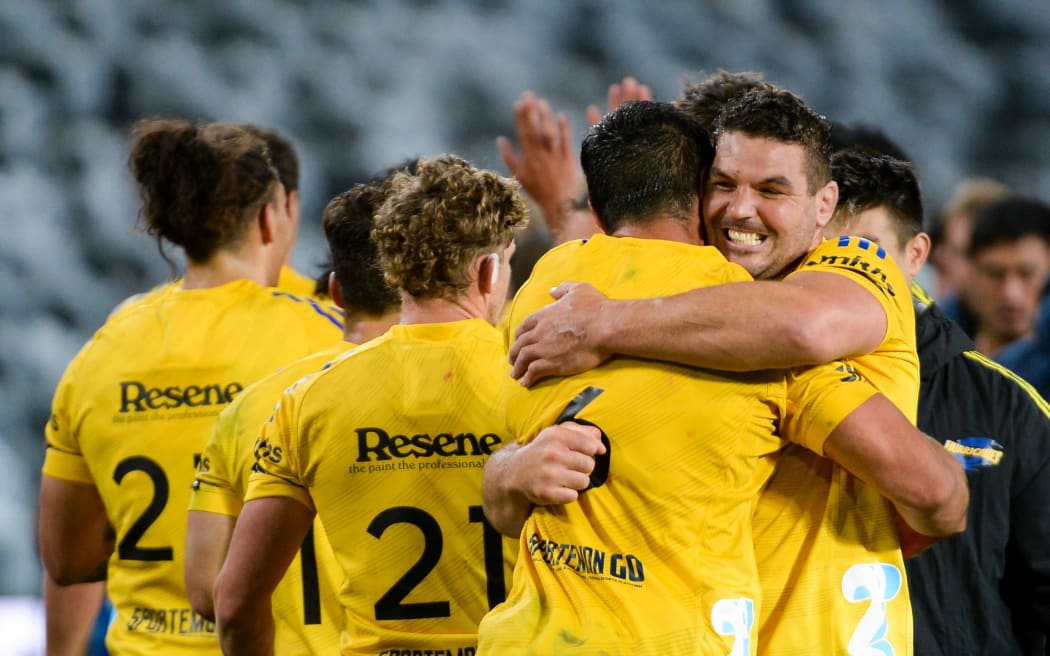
x: 744, y: 237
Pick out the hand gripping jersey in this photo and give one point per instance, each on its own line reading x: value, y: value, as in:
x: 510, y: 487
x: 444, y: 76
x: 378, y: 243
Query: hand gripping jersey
x: 656, y: 558
x: 388, y: 445
x: 133, y: 412
x: 306, y: 612
x: 833, y: 577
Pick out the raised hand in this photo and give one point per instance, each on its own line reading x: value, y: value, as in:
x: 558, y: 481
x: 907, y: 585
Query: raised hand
x: 626, y: 90
x: 545, y: 162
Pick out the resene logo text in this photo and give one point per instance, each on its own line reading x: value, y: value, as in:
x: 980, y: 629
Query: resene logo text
x: 137, y: 397
x: 376, y: 442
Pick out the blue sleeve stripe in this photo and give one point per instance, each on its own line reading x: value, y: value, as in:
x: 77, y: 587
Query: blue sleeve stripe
x: 313, y: 304
x: 321, y: 311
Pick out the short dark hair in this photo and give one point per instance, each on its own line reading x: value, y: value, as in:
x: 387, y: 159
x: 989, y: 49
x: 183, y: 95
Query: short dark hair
x: 705, y: 100
x: 348, y: 220
x: 864, y: 135
x: 779, y: 115
x: 643, y: 158
x: 282, y: 154
x: 867, y: 180
x: 1008, y: 220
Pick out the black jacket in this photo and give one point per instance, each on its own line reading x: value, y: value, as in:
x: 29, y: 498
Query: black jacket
x: 986, y: 591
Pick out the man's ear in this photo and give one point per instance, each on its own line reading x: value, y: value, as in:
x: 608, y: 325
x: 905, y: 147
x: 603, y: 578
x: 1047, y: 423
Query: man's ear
x: 335, y: 291
x: 827, y: 199
x: 292, y: 199
x: 267, y: 219
x: 488, y: 272
x: 916, y: 251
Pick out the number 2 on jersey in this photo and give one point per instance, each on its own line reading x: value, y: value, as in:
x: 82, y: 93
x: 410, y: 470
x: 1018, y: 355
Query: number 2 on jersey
x: 391, y: 605
x: 129, y: 548
x: 876, y: 583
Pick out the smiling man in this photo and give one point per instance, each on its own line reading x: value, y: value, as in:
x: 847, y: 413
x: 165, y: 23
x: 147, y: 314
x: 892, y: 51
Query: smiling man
x: 830, y: 560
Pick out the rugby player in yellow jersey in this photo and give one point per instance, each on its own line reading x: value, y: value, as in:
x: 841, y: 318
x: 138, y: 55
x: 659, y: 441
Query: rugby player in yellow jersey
x: 387, y: 445
x: 656, y: 556
x: 286, y: 163
x: 137, y: 403
x: 307, y: 615
x: 832, y: 572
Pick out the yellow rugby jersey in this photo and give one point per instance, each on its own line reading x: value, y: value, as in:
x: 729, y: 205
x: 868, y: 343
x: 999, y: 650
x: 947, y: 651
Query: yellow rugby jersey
x: 132, y: 413
x: 306, y: 612
x: 294, y: 282
x: 389, y: 444
x: 833, y: 577
x: 290, y: 281
x: 657, y: 558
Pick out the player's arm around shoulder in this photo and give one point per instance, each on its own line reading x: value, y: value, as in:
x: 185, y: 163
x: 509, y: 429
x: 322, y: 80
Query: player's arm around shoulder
x: 837, y: 317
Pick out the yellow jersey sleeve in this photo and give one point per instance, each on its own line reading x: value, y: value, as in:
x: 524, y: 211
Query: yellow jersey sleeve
x: 819, y: 398
x: 277, y: 466
x: 63, y: 458
x: 864, y: 261
x: 212, y: 490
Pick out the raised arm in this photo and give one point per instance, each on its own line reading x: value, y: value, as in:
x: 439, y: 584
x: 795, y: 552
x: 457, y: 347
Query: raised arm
x: 809, y: 318
x: 551, y: 469
x: 926, y: 484
x: 545, y: 162
x: 266, y: 539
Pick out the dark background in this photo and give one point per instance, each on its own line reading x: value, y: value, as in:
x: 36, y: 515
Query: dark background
x: 963, y: 85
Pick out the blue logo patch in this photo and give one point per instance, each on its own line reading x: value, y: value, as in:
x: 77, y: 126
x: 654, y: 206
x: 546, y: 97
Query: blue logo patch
x: 867, y: 245
x: 976, y: 452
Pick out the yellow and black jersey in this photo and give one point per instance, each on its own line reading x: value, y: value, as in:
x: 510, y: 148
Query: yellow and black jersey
x: 388, y: 445
x: 832, y: 573
x: 131, y: 416
x: 306, y: 611
x: 656, y: 557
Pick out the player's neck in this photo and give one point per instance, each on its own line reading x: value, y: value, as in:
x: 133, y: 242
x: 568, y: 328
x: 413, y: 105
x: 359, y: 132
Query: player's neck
x: 359, y: 331
x: 225, y: 267
x: 440, y: 310
x: 669, y: 229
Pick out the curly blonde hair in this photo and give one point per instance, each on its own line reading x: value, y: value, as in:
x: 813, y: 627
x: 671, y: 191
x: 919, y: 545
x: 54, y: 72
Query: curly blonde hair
x: 435, y: 223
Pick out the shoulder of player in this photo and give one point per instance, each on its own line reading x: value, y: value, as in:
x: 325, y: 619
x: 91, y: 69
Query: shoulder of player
x: 308, y: 308
x: 259, y: 398
x: 860, y: 257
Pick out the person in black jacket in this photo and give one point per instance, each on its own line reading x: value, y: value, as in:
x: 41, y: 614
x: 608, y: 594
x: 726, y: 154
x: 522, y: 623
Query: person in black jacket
x: 986, y: 591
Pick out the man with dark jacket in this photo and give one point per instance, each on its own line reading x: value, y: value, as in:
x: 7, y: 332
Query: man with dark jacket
x: 986, y: 591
